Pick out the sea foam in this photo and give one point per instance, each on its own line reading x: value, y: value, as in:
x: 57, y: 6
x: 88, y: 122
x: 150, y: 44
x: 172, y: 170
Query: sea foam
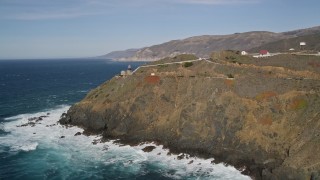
x: 81, y: 153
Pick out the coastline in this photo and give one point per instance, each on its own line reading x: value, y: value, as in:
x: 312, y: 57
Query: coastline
x: 201, y: 111
x: 234, y: 158
x: 246, y: 167
x: 93, y: 149
x: 216, y: 159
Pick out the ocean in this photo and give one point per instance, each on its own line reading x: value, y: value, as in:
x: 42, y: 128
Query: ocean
x: 46, y: 150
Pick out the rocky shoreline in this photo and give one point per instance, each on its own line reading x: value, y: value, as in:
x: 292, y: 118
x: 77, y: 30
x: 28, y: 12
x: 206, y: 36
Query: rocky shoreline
x: 261, y: 117
x: 246, y: 165
x: 248, y: 168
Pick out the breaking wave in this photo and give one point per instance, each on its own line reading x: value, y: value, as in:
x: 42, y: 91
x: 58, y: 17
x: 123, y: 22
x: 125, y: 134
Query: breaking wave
x: 64, y: 155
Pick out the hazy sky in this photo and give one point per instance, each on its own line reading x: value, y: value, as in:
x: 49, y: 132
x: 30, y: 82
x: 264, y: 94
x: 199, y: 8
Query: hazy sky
x: 83, y: 28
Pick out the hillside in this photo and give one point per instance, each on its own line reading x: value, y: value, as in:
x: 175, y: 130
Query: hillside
x: 202, y: 46
x: 119, y: 55
x: 313, y: 44
x: 261, y: 115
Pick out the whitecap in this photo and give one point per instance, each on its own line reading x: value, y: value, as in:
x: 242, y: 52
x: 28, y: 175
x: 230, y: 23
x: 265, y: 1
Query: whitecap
x: 83, y: 91
x: 27, y: 138
x: 27, y: 147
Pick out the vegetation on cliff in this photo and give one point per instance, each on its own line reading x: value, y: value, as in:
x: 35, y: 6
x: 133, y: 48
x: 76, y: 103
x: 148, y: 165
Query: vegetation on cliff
x: 266, y: 118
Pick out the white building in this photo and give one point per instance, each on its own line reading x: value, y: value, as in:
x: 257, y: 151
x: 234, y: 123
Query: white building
x: 302, y: 45
x: 122, y: 73
x: 243, y: 53
x: 263, y: 53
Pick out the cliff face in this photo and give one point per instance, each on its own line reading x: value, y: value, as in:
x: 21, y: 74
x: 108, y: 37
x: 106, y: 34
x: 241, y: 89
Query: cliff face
x: 266, y: 118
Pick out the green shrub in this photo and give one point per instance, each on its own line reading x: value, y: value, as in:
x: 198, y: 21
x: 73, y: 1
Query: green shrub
x: 185, y: 57
x: 187, y: 64
x: 230, y: 76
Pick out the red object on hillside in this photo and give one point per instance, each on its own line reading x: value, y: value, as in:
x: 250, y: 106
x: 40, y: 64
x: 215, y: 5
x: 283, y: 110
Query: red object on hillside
x: 264, y: 52
x: 152, y: 79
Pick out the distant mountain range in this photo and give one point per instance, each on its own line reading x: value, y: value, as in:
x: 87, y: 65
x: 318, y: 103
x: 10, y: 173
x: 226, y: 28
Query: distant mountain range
x: 203, y: 46
x: 118, y: 55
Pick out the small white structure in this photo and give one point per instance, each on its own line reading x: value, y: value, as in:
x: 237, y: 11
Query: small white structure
x: 302, y: 45
x: 243, y: 53
x: 153, y: 74
x: 122, y: 73
x: 127, y: 72
x: 291, y: 49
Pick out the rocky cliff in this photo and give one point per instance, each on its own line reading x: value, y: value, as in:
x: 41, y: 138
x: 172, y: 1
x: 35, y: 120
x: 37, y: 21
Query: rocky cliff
x: 258, y: 114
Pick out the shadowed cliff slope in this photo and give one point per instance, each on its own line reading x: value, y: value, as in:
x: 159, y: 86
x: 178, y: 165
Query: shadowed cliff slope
x: 266, y: 118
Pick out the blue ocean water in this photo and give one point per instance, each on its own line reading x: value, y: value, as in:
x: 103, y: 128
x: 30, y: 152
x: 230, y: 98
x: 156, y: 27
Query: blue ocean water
x: 33, y: 88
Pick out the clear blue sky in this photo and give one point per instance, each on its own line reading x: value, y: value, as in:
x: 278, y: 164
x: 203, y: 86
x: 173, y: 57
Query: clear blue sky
x: 83, y: 28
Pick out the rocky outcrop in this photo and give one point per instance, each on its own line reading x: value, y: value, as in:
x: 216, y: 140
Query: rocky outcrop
x: 266, y: 119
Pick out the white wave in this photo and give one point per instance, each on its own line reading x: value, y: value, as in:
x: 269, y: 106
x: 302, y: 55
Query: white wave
x: 79, y: 151
x: 83, y: 91
x: 27, y: 138
x: 26, y: 147
x: 188, y: 166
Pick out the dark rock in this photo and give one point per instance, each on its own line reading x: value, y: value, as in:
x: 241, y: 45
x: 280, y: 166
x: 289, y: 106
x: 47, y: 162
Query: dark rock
x: 182, y: 156
x: 22, y: 125
x: 39, y: 119
x: 64, y: 119
x: 190, y: 162
x: 62, y: 137
x: 32, y: 119
x: 78, y: 134
x: 148, y: 148
x: 95, y: 141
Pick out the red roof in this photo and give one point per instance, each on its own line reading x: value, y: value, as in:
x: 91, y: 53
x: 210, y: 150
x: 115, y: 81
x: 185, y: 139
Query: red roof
x: 264, y: 52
